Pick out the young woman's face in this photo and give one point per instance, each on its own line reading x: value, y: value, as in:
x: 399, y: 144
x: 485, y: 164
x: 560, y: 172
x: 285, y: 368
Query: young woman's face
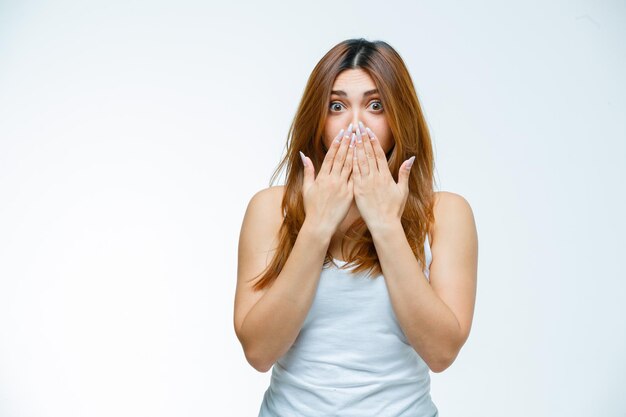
x: 353, y: 99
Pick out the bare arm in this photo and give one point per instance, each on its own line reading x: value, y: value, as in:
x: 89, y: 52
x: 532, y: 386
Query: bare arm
x: 273, y: 324
x: 267, y: 322
x: 436, y: 315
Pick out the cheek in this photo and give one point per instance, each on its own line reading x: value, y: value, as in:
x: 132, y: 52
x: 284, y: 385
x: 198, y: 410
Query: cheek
x: 383, y: 133
x: 387, y: 144
x: 328, y: 138
x: 330, y: 132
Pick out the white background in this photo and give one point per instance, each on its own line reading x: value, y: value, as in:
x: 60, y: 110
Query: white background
x: 134, y: 133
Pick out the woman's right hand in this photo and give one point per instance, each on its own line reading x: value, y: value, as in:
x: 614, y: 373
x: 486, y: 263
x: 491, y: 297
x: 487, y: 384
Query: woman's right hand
x: 328, y: 196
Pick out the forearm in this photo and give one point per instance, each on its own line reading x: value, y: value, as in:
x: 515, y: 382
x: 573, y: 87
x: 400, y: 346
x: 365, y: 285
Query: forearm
x: 274, y: 322
x: 430, y: 326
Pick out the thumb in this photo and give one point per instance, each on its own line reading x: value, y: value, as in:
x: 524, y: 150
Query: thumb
x: 405, y: 170
x: 309, y: 170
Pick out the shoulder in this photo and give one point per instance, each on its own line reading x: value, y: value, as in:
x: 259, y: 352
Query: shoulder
x: 452, y: 211
x: 264, y: 208
x: 449, y: 201
x: 261, y: 224
x: 269, y: 196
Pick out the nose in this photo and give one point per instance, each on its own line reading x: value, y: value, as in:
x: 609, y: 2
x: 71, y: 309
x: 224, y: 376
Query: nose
x: 356, y: 117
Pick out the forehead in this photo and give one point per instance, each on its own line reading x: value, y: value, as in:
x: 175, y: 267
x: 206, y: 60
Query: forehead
x: 353, y: 80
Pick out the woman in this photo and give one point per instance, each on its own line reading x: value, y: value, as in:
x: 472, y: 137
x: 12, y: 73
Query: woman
x: 331, y: 293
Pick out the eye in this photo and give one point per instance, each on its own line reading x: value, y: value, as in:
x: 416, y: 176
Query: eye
x: 335, y: 106
x: 378, y: 104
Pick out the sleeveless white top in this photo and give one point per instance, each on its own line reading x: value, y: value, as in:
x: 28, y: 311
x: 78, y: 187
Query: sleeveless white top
x: 351, y: 358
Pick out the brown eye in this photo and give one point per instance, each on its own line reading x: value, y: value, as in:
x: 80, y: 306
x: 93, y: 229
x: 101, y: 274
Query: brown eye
x: 378, y: 106
x: 335, y: 106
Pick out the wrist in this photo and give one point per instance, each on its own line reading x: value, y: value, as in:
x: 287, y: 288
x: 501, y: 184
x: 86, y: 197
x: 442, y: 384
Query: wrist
x: 386, y: 228
x: 320, y: 231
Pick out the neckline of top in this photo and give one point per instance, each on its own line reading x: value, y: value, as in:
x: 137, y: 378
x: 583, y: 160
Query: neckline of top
x: 340, y: 261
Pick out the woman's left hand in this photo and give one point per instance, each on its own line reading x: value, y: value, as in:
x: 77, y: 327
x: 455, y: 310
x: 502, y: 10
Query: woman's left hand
x: 379, y: 198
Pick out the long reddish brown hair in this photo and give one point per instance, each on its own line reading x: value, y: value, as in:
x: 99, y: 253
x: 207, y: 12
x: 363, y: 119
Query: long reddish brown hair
x: 410, y: 133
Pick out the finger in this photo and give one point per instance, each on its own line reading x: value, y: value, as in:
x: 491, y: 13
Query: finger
x: 309, y: 171
x: 348, y: 163
x: 404, y: 173
x: 356, y: 167
x: 381, y: 158
x: 330, y: 154
x: 351, y: 183
x: 367, y: 147
x: 340, y: 157
x: 364, y: 165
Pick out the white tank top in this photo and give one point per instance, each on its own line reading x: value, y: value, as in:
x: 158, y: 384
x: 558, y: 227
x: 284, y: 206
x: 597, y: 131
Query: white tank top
x: 351, y: 358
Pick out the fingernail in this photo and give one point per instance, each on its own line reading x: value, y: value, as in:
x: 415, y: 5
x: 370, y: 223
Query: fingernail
x: 349, y: 129
x: 339, y: 136
x: 410, y: 163
x: 352, y: 141
x: 302, y: 156
x: 358, y: 136
x: 361, y: 127
x: 370, y: 133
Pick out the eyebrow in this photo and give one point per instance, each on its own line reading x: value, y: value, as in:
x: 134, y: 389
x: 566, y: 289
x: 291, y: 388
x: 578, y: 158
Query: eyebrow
x: 343, y: 93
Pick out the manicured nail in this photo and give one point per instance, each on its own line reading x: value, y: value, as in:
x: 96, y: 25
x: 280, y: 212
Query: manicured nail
x: 358, y: 136
x: 339, y: 136
x: 352, y: 141
x: 370, y: 133
x: 410, y: 163
x: 349, y: 129
x: 303, y: 158
x: 361, y: 127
